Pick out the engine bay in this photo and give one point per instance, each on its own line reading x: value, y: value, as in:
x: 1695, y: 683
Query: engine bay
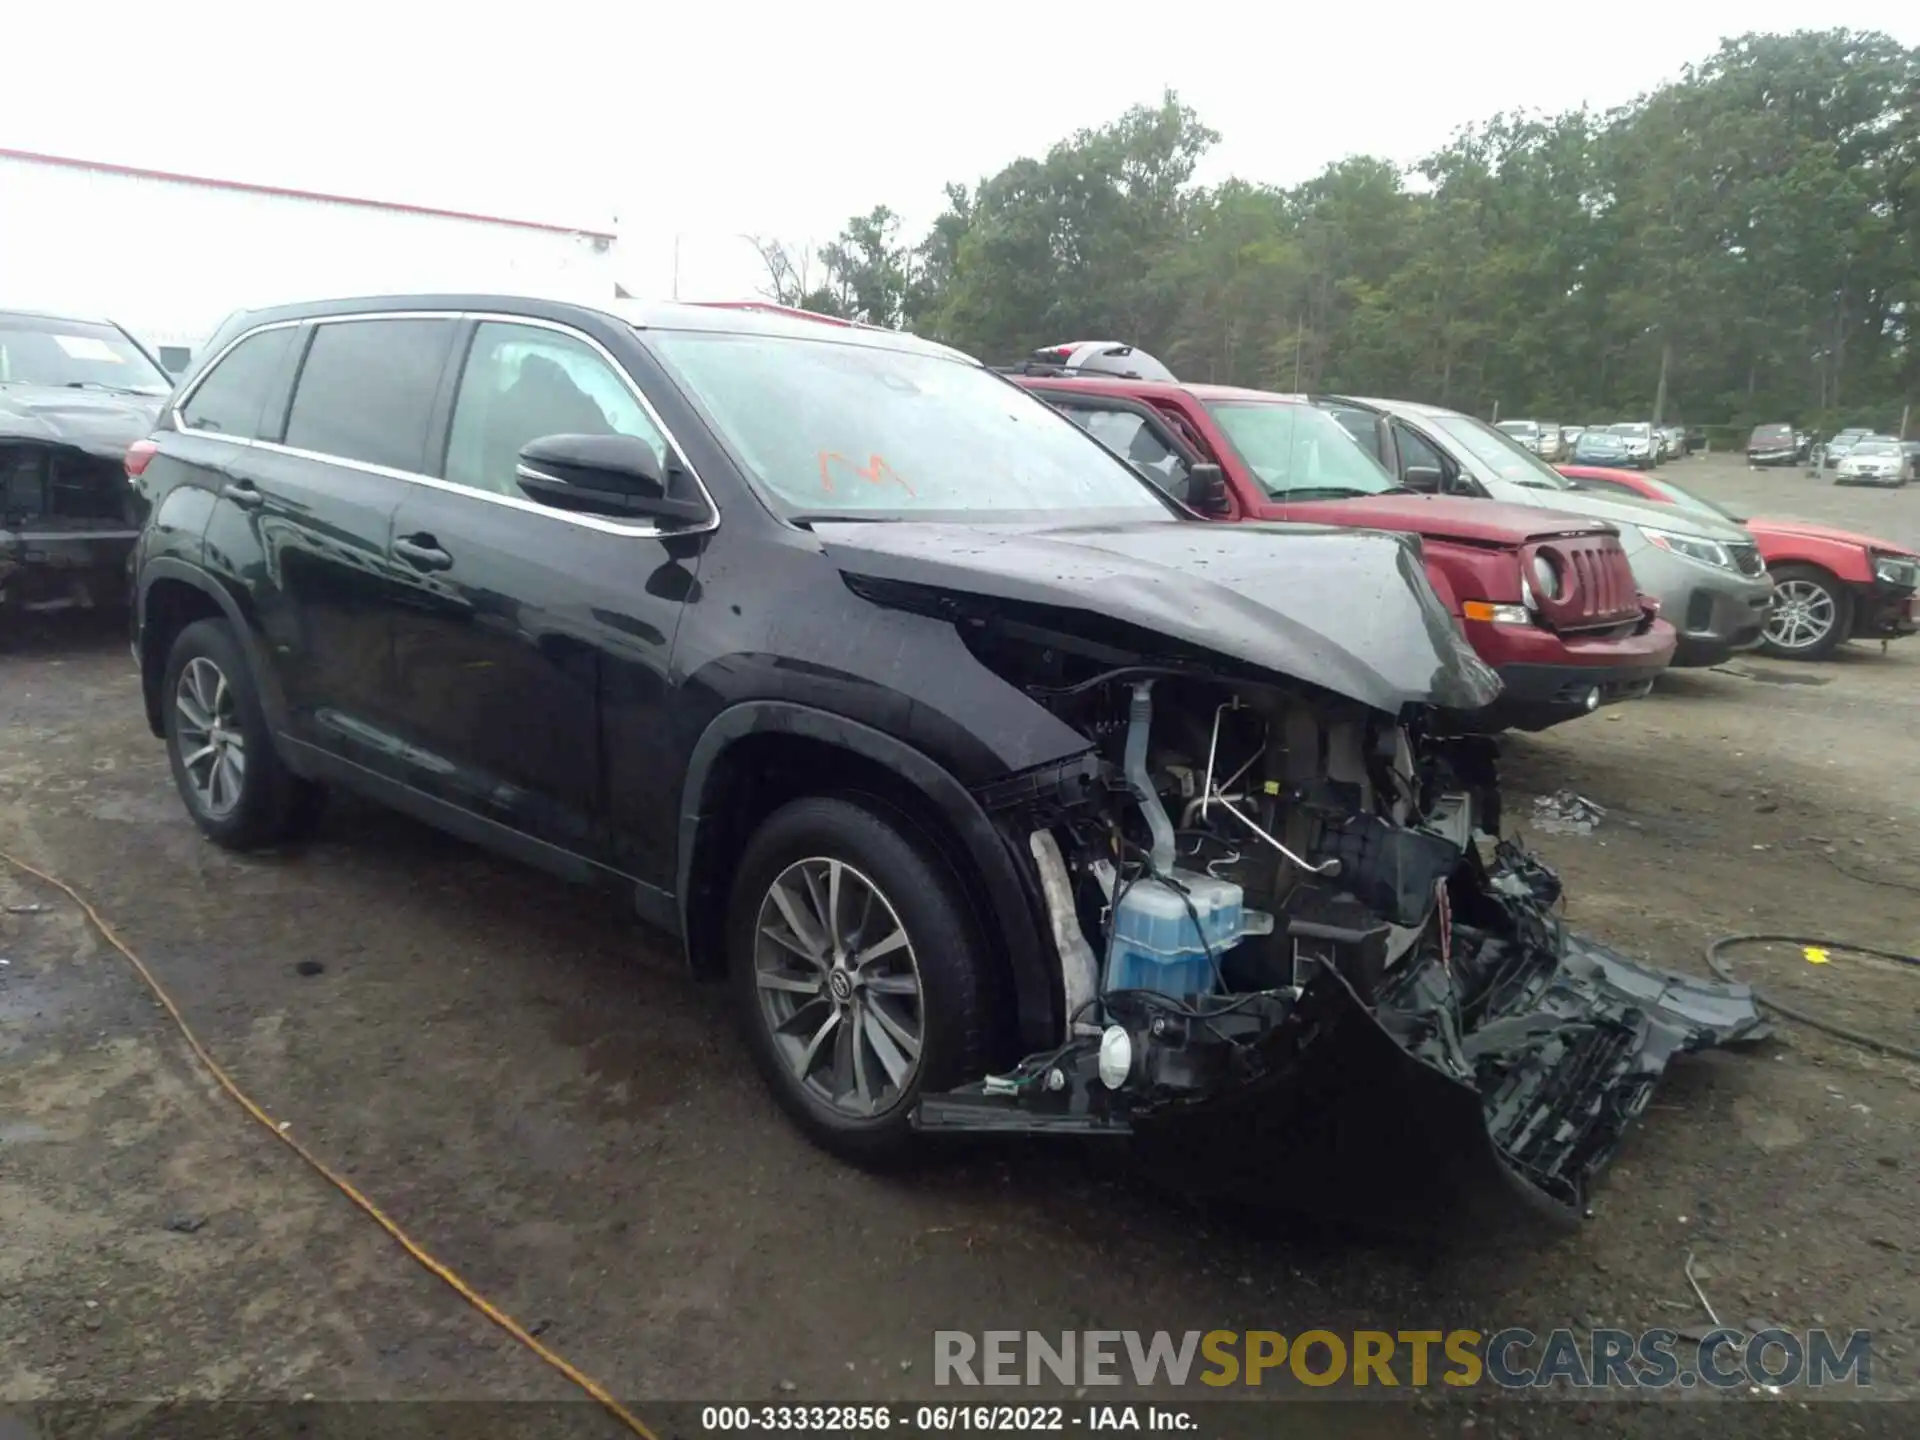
x: 1298, y: 961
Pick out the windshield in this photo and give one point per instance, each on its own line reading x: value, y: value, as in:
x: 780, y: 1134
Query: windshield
x: 828, y: 429
x: 34, y: 351
x: 1509, y: 461
x: 1519, y: 427
x: 1299, y: 452
x: 1772, y: 432
x: 1876, y: 447
x: 1638, y: 432
x: 1600, y: 440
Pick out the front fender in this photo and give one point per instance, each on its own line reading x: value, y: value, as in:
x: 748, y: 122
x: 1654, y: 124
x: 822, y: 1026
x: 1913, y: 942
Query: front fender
x: 1847, y: 561
x: 1013, y: 919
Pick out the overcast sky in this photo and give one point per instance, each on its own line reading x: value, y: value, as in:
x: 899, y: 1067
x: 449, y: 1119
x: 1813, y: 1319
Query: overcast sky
x: 714, y: 119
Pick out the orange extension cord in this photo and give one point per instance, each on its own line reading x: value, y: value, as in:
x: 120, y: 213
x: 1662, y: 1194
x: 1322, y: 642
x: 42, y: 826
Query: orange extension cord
x: 406, y: 1242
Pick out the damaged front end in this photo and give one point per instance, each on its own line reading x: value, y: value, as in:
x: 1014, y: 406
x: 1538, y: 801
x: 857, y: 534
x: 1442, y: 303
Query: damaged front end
x: 1298, y: 966
x: 69, y: 519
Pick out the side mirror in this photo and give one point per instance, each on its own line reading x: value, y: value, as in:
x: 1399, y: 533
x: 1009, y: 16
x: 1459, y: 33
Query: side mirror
x: 601, y: 475
x: 1207, y: 489
x: 1424, y: 478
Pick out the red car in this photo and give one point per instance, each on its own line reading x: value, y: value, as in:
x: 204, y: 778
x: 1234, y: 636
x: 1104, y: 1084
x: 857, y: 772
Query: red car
x: 1548, y: 600
x: 1829, y: 586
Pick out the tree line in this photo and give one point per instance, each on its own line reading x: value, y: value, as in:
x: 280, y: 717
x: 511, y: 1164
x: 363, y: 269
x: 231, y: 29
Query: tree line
x: 1739, y: 246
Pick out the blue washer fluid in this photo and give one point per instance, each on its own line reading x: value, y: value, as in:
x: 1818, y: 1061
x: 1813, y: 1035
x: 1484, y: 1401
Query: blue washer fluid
x: 1156, y: 945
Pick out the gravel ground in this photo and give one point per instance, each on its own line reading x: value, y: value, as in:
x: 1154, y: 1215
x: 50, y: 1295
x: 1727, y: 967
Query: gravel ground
x: 527, y: 1081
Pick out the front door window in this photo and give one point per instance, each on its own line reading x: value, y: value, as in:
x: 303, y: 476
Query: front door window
x: 523, y: 382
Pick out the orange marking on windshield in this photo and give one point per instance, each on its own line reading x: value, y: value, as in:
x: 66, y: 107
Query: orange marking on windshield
x: 875, y: 472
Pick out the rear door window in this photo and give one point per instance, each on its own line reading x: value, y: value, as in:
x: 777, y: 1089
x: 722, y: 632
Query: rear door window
x: 366, y: 391
x: 229, y: 401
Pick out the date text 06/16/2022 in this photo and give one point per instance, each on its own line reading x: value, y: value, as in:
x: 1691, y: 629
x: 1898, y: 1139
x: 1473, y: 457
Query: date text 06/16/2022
x: 943, y: 1419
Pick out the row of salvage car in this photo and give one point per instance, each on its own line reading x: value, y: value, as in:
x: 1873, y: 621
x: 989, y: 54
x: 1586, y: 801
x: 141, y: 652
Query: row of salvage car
x: 1577, y: 583
x: 1012, y: 793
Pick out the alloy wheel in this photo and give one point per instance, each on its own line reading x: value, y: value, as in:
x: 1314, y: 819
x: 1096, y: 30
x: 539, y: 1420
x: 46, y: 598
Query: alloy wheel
x: 1803, y: 614
x: 213, y: 752
x: 839, y: 986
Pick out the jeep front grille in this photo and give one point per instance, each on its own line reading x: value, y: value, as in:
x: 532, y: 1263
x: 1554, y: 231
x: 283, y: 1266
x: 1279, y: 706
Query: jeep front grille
x: 1597, y: 589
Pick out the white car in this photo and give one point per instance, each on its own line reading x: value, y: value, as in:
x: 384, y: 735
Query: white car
x: 1642, y: 444
x: 1525, y: 432
x: 1876, y: 460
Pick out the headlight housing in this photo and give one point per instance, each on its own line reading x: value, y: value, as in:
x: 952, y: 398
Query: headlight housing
x: 1546, y: 577
x: 1897, y: 570
x: 1692, y: 547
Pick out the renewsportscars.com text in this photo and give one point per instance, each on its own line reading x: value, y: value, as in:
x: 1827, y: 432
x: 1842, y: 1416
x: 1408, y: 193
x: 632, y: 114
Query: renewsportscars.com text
x: 1512, y: 1358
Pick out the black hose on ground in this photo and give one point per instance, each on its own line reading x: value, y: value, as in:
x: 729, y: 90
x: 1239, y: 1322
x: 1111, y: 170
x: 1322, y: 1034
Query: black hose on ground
x: 1871, y: 1042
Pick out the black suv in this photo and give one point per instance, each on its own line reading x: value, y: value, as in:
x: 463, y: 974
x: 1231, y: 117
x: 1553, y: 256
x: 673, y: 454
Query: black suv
x: 1006, y: 795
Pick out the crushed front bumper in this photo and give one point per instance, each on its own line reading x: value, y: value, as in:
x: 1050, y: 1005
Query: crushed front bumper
x: 1489, y: 1076
x: 43, y: 568
x: 1885, y: 612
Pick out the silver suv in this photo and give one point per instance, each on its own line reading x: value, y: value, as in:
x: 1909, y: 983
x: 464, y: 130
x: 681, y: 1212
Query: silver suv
x: 1707, y: 574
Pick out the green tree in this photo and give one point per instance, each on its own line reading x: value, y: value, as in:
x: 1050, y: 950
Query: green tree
x: 1063, y: 248
x: 1740, y: 245
x: 868, y: 269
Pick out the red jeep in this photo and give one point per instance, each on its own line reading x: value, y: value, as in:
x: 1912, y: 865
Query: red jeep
x: 1548, y: 600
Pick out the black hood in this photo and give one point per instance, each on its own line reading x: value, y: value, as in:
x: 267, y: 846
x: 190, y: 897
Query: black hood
x: 1350, y: 611
x: 100, y: 422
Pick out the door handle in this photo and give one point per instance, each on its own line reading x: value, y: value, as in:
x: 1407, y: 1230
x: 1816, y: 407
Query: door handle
x: 422, y: 552
x: 244, y: 493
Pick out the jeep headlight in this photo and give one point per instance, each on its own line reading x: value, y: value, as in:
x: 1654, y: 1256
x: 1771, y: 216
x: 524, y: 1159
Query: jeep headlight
x: 1546, y: 577
x: 1707, y: 552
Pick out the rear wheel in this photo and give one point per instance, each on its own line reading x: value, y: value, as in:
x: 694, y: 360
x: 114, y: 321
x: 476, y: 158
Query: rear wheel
x: 221, y: 751
x: 858, y: 974
x: 1811, y: 614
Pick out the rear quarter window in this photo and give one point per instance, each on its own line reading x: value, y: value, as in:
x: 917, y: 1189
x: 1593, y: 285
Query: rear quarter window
x: 229, y: 401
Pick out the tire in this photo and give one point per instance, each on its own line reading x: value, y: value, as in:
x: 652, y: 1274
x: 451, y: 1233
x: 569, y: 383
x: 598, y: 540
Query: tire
x: 1816, y: 594
x: 257, y: 802
x: 852, y: 1100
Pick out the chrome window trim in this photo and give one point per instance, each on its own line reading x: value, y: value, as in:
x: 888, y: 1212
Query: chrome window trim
x: 639, y: 529
x: 186, y: 397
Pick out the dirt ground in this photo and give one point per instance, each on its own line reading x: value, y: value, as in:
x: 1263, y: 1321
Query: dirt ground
x: 527, y: 1080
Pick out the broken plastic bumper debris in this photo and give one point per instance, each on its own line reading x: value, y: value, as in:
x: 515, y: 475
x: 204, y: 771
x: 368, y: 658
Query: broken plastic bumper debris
x: 1492, y: 1073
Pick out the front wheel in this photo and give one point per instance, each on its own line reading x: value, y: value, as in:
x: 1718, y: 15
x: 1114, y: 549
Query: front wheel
x: 1811, y: 614
x: 857, y: 972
